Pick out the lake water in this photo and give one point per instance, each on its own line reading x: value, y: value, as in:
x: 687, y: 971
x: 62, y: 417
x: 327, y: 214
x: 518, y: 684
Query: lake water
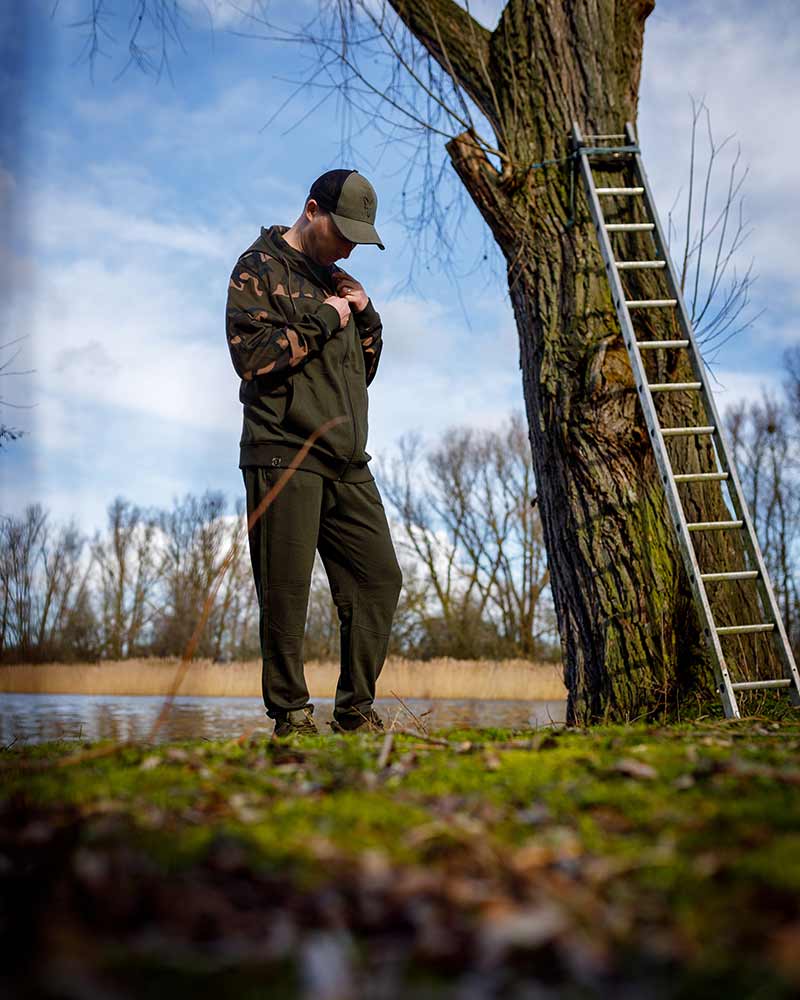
x: 34, y: 718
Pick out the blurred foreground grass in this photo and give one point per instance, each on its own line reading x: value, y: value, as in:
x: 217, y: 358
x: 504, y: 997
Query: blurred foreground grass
x: 628, y: 861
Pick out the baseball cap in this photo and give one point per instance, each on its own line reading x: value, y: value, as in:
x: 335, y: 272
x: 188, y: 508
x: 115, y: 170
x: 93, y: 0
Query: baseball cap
x: 352, y: 203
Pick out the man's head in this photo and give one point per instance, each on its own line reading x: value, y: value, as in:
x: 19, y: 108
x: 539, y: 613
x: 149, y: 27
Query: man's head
x: 339, y: 214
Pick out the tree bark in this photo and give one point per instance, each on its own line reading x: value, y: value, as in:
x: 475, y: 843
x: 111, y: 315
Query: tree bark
x: 631, y: 638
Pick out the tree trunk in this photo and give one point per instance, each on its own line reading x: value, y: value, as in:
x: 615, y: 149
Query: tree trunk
x: 630, y: 635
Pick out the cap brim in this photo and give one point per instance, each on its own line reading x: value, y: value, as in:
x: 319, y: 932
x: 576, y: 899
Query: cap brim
x: 357, y: 232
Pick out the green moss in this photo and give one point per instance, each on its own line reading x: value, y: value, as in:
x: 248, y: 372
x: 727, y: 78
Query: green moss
x: 693, y: 830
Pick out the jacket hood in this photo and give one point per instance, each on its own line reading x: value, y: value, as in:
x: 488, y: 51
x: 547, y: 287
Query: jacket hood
x: 293, y: 259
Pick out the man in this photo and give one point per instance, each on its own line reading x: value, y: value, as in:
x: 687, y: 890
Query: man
x: 305, y: 339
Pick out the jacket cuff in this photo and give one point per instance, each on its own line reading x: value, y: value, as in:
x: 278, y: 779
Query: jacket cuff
x: 329, y: 318
x: 368, y: 317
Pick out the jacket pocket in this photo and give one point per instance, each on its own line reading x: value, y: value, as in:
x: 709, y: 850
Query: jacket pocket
x: 316, y: 400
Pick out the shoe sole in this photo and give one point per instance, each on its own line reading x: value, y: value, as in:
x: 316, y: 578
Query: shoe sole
x: 364, y: 727
x: 295, y: 732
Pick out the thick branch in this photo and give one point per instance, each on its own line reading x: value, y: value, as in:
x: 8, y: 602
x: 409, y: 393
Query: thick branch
x: 457, y: 42
x: 484, y: 185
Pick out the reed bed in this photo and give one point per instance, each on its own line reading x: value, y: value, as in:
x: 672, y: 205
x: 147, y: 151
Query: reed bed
x: 493, y: 680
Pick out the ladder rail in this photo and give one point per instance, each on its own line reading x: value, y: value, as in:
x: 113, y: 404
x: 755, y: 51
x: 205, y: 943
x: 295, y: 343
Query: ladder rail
x: 724, y: 457
x: 653, y: 424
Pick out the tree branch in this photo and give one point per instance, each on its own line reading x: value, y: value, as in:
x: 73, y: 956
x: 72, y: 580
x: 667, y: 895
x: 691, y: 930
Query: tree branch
x: 484, y: 185
x: 458, y: 43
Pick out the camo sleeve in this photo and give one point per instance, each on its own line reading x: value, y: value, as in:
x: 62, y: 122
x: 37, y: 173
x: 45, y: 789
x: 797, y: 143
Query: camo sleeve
x: 264, y: 335
x: 370, y: 330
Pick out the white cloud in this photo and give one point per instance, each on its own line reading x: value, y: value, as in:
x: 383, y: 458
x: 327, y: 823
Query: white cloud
x: 90, y: 220
x: 224, y: 13
x: 436, y: 372
x: 740, y: 61
x: 134, y: 337
x: 730, y: 387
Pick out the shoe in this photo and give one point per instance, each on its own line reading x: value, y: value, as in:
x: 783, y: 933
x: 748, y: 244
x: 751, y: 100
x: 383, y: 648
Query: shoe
x: 368, y: 722
x: 298, y: 721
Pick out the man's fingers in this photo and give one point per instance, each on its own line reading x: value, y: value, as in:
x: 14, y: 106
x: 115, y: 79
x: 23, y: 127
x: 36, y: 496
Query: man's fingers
x: 341, y: 305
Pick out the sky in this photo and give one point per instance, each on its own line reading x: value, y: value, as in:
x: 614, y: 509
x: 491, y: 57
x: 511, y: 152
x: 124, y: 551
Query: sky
x: 127, y: 200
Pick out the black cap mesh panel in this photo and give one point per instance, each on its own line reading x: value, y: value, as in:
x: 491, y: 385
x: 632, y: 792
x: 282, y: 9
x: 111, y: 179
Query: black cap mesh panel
x: 326, y: 189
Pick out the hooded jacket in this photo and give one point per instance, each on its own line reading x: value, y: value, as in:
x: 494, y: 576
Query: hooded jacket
x: 298, y: 369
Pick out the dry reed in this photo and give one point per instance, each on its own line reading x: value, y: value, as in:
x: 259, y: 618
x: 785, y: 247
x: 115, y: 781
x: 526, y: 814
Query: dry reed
x: 490, y: 680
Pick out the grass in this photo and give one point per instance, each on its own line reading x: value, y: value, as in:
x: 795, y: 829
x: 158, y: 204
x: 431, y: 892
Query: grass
x: 625, y: 861
x: 442, y: 678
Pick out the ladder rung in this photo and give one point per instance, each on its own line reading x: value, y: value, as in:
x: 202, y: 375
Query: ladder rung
x: 713, y: 525
x: 701, y: 477
x: 680, y: 431
x: 630, y: 227
x: 784, y: 682
x: 639, y: 265
x: 620, y: 190
x: 674, y: 386
x: 653, y: 345
x: 650, y: 303
x: 610, y: 135
x: 745, y: 629
x: 740, y: 574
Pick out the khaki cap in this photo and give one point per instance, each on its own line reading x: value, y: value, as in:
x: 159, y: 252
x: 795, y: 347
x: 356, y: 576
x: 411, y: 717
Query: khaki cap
x: 352, y: 203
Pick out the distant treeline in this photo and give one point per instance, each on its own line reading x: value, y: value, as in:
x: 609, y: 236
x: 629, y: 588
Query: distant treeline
x: 465, y: 524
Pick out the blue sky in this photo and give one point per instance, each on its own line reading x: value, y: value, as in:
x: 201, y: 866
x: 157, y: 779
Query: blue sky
x: 134, y: 197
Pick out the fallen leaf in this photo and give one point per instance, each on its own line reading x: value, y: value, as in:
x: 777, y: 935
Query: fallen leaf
x: 635, y: 769
x: 526, y: 929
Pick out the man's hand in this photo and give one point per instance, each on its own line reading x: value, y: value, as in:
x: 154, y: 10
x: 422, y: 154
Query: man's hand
x: 350, y: 289
x: 342, y: 306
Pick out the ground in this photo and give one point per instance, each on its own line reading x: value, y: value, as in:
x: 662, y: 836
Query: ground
x: 625, y: 861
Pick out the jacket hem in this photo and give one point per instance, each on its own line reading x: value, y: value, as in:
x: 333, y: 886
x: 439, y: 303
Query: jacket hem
x: 280, y: 456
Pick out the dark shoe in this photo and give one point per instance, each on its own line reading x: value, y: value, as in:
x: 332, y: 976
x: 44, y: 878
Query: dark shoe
x: 298, y: 721
x: 367, y: 722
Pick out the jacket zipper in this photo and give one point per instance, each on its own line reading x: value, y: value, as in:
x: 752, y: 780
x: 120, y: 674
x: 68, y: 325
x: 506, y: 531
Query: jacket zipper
x: 352, y: 412
x: 344, y: 375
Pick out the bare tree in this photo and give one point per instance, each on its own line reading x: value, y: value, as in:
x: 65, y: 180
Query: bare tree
x: 125, y: 562
x: 466, y: 509
x: 43, y: 585
x: 233, y: 629
x: 22, y: 542
x: 767, y: 451
x: 194, y: 538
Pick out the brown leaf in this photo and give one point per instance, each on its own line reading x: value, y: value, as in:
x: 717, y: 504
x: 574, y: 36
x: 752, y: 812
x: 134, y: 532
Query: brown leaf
x: 635, y: 769
x: 530, y: 857
x: 611, y: 820
x: 526, y: 928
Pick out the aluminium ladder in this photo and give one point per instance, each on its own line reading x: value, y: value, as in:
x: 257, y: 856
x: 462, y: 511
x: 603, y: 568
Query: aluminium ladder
x: 622, y: 149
